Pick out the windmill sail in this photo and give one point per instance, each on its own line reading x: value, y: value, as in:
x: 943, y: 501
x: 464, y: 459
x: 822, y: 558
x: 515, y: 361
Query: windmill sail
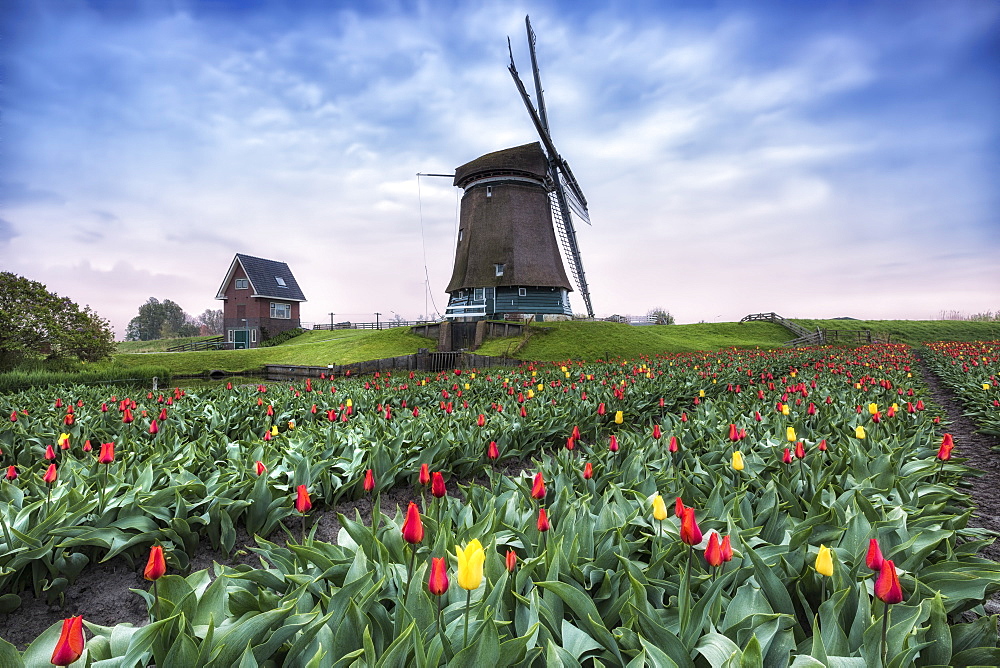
x: 565, y: 194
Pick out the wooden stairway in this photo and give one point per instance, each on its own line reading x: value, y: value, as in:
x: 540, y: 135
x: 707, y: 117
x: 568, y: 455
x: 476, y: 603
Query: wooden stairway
x: 803, y: 337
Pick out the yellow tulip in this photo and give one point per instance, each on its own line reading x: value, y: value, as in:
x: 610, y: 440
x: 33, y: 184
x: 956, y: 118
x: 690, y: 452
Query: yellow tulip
x: 872, y: 409
x: 63, y: 438
x: 349, y: 403
x: 541, y: 387
x: 986, y: 386
x: 824, y: 561
x: 784, y: 409
x: 659, y: 508
x: 701, y: 393
x: 466, y: 386
x: 470, y: 565
x: 738, y: 460
x: 619, y: 417
x: 291, y: 424
x: 859, y: 432
x: 472, y: 376
x: 531, y: 393
x: 563, y: 369
x: 790, y: 434
x: 274, y: 430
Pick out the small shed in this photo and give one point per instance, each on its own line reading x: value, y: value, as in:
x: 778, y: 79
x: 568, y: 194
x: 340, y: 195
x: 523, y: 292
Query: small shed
x: 261, y: 299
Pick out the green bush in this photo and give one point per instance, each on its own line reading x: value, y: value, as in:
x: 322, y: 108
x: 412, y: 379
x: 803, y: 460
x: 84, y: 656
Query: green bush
x: 280, y: 337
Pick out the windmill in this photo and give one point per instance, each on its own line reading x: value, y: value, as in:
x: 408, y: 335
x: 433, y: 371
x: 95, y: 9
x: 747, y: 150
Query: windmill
x: 516, y: 202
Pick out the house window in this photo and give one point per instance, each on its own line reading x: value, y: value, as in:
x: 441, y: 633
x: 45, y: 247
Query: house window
x: 499, y: 269
x: 479, y: 294
x: 281, y: 311
x: 253, y: 335
x: 280, y: 281
x: 230, y: 338
x: 522, y: 292
x: 242, y: 284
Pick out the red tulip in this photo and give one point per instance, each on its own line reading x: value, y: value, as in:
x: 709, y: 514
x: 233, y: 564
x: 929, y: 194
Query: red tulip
x: 920, y: 404
x: 87, y: 447
x: 260, y: 468
x: 481, y: 420
x: 734, y: 434
x: 874, y: 557
x: 11, y: 472
x: 657, y: 433
x: 302, y: 502
x: 787, y: 456
x: 438, y: 488
x: 713, y: 552
x: 492, y: 452
x: 107, y: 453
x: 153, y: 427
x: 71, y: 642
x: 50, y: 453
x: 726, y: 549
x: 600, y: 409
x: 511, y: 560
x: 672, y: 444
x: 13, y: 416
x: 425, y: 475
x: 887, y: 587
x: 127, y: 416
x: 690, y: 533
x: 613, y: 443
x: 678, y: 507
x: 543, y: 520
x: 822, y: 445
x: 538, y: 487
x: 947, y: 445
x: 570, y: 443
x: 800, y: 451
x: 50, y: 474
x: 588, y: 471
x: 576, y: 433
x: 156, y: 566
x: 413, y: 528
x: 437, y: 582
x: 369, y: 484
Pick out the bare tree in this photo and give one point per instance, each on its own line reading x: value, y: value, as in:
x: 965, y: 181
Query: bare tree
x: 660, y: 316
x: 211, y: 320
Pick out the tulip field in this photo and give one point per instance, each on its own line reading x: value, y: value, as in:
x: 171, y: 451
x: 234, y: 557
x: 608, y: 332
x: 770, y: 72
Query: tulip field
x: 725, y: 509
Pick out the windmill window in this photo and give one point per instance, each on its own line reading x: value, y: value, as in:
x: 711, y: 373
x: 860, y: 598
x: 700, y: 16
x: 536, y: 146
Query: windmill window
x: 242, y: 284
x: 479, y: 294
x: 461, y: 233
x: 280, y: 281
x: 522, y: 292
x: 499, y: 267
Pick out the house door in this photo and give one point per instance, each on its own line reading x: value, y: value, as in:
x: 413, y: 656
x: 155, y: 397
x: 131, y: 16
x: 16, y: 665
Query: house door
x: 241, y: 339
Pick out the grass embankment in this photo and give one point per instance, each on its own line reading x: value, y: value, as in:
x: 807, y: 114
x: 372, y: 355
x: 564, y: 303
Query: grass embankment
x: 317, y: 347
x: 555, y: 341
x: 96, y: 374
x: 915, y: 332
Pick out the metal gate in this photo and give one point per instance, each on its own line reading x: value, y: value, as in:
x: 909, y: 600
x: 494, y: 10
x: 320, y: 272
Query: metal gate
x: 444, y: 361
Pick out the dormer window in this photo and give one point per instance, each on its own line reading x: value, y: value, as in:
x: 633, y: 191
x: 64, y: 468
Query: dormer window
x: 499, y: 269
x: 242, y: 284
x: 280, y: 281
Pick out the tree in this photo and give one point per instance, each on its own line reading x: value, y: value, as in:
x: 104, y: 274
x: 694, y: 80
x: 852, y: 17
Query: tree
x: 34, y: 321
x: 211, y: 320
x: 660, y: 316
x: 160, y: 320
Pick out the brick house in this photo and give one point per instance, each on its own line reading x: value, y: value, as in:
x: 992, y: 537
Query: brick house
x: 261, y: 298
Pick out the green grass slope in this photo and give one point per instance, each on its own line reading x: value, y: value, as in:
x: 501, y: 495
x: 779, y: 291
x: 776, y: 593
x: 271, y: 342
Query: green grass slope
x: 312, y: 348
x: 915, y: 332
x: 593, y: 340
x: 156, y: 345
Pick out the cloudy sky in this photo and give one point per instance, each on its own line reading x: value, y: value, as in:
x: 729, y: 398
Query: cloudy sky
x: 818, y: 159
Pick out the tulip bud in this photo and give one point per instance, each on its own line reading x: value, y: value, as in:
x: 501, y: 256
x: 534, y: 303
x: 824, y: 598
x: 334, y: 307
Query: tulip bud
x: 713, y: 552
x: 260, y: 468
x: 613, y: 443
x: 873, y: 559
x: 738, y: 460
x: 659, y: 508
x: 824, y: 561
x: 538, y: 487
x: 511, y: 560
x: 156, y: 565
x: 413, y: 528
x: 11, y: 472
x: 425, y: 475
x: 50, y: 475
x: 790, y: 434
x: 302, y: 502
x: 690, y: 533
x: 588, y: 471
x: 437, y: 582
x: 492, y: 452
x: 369, y: 483
x: 887, y: 587
x: 619, y: 417
x: 107, y: 454
x: 859, y: 432
x: 543, y: 520
x: 438, y: 488
x: 726, y: 549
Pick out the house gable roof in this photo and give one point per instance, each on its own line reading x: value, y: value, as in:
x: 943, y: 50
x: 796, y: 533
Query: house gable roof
x: 263, y: 276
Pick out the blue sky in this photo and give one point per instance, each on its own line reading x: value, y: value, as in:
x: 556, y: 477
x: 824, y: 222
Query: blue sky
x: 818, y: 159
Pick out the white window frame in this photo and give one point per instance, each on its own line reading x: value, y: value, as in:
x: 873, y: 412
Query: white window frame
x: 478, y: 294
x: 461, y: 233
x: 232, y: 337
x: 285, y: 308
x: 253, y: 335
x: 242, y: 284
x: 522, y: 292
x: 499, y: 268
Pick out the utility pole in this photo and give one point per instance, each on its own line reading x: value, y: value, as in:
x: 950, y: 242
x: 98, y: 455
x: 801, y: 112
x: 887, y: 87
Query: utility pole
x: 331, y: 322
x: 377, y: 325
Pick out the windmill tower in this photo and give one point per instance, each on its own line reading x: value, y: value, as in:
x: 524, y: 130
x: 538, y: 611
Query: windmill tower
x: 515, y: 203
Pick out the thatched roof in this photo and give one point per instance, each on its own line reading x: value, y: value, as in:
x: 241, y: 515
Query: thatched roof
x: 512, y: 225
x: 526, y: 160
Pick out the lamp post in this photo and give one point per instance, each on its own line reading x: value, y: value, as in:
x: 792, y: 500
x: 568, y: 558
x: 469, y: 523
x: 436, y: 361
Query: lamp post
x: 377, y: 325
x: 246, y: 333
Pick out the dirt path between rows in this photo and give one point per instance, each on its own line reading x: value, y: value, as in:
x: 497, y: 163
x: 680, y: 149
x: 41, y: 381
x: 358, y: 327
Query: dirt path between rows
x: 102, y: 595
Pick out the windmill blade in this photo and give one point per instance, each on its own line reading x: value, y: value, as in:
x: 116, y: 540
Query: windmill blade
x: 563, y: 222
x: 574, y: 194
x: 534, y: 73
x: 579, y: 208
